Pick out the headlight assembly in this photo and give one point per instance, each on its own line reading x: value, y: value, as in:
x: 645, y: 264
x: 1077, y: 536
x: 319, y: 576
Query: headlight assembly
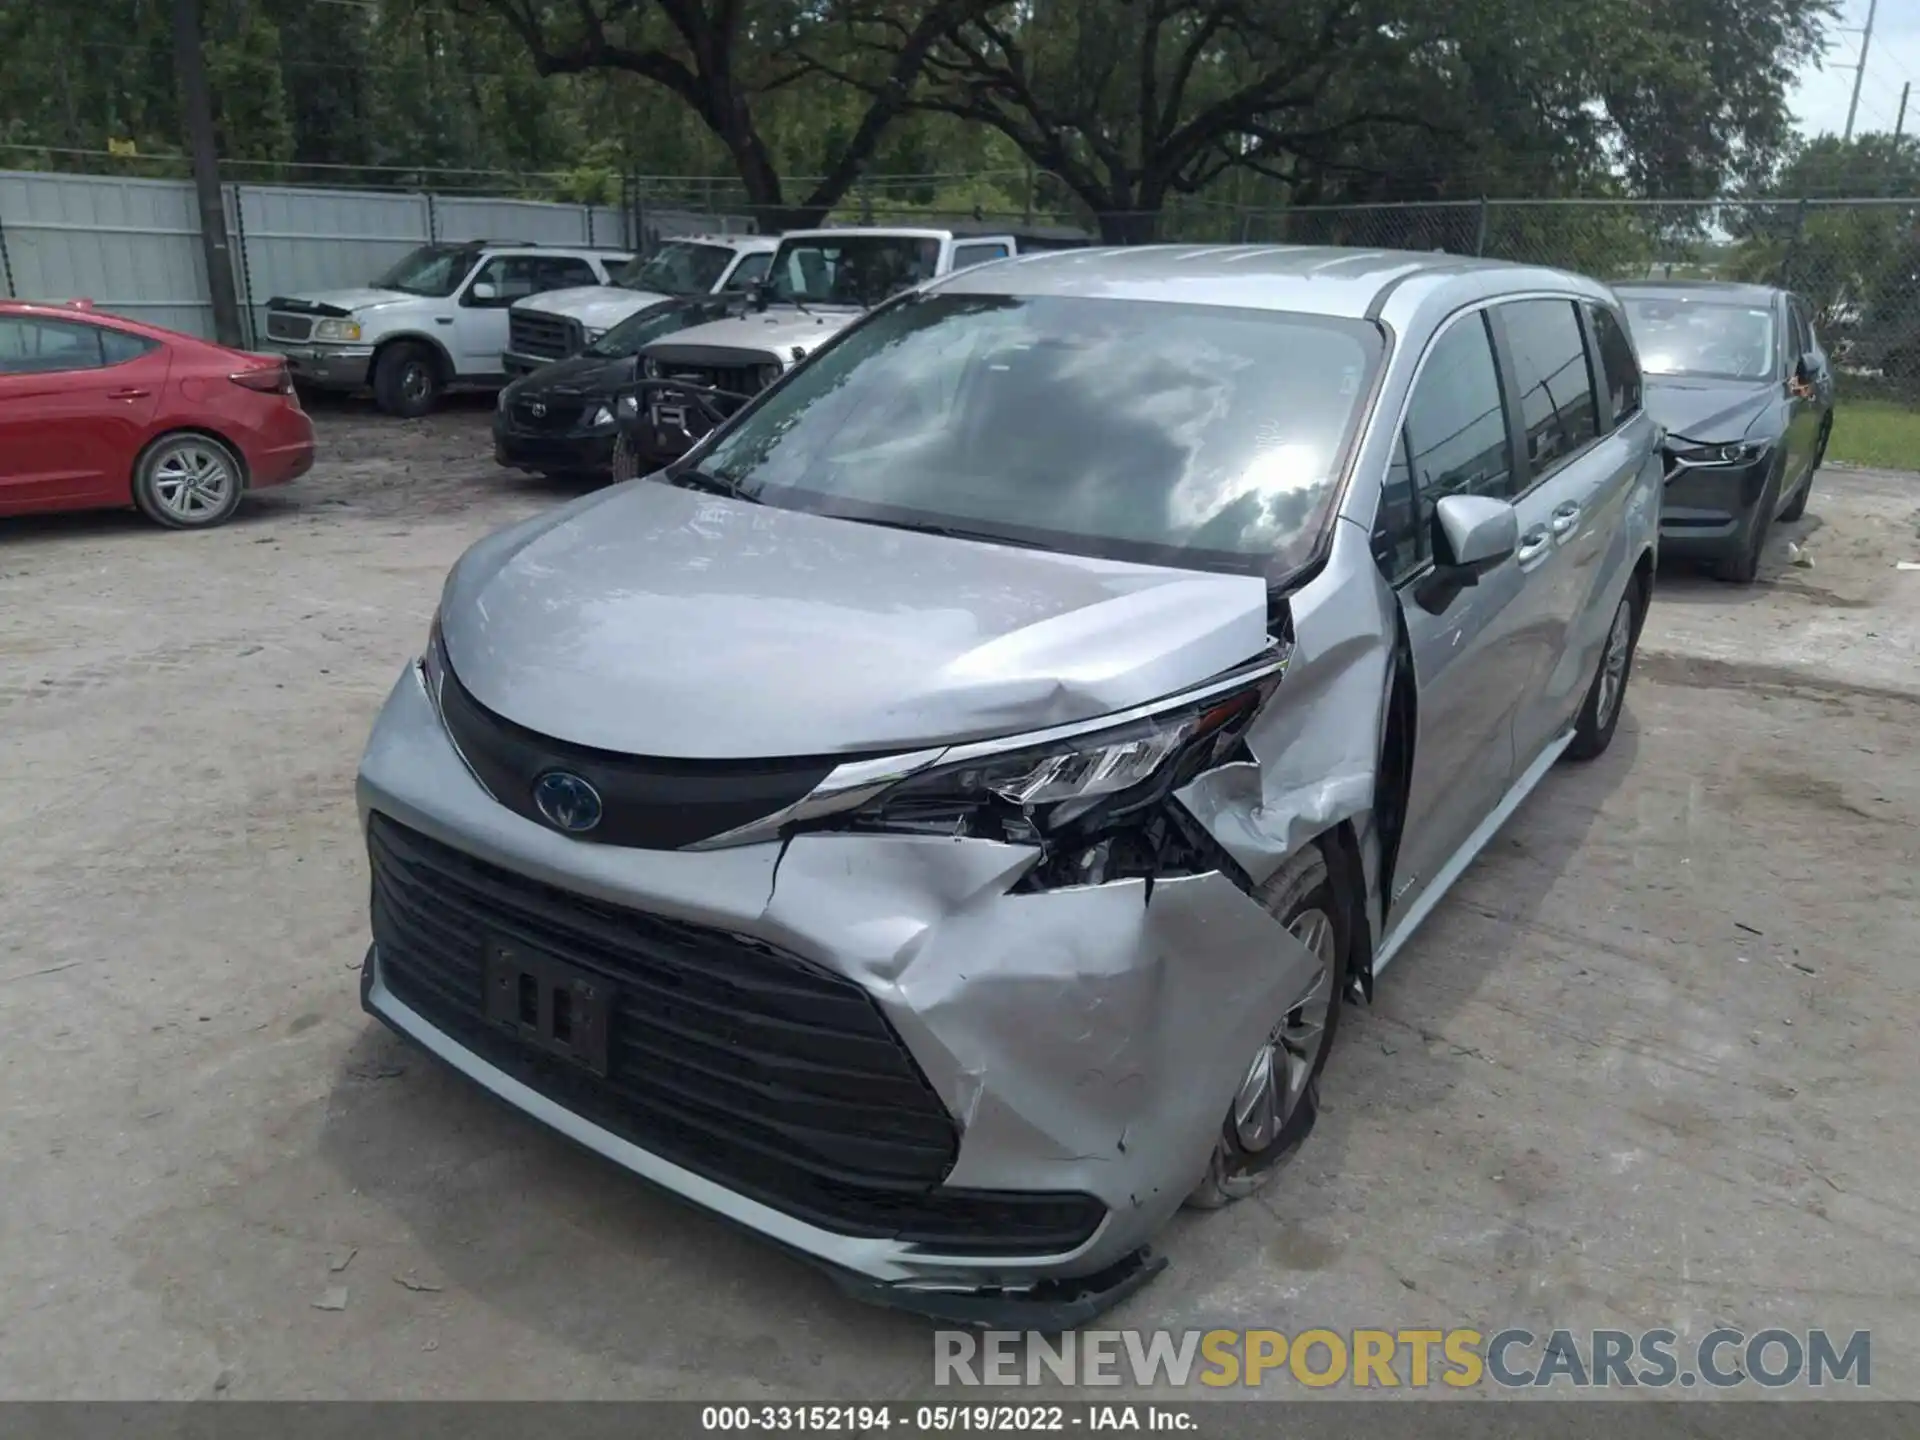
x: 1074, y: 785
x: 650, y: 368
x: 433, y: 662
x: 1743, y: 452
x: 600, y: 418
x: 347, y: 330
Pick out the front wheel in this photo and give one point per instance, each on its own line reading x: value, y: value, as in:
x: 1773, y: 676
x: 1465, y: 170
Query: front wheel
x: 1797, y: 506
x: 406, y: 381
x: 1279, y: 1096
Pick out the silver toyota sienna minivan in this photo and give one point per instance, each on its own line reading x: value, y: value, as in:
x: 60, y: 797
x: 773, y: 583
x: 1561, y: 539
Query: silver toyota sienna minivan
x: 937, y: 822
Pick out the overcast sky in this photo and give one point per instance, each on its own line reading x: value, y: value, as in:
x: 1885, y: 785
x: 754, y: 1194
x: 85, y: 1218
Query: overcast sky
x: 1820, y: 99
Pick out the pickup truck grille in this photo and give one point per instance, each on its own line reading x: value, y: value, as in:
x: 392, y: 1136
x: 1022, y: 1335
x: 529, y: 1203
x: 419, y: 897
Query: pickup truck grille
x: 288, y: 327
x: 545, y: 337
x: 736, y: 379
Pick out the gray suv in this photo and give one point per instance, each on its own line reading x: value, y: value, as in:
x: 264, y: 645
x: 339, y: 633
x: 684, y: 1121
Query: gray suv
x: 936, y: 823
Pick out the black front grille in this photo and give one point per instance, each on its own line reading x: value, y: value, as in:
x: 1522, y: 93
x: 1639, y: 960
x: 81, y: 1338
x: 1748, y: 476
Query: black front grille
x: 288, y: 327
x: 547, y: 337
x: 548, y: 415
x: 648, y: 803
x: 728, y: 1056
x: 735, y: 379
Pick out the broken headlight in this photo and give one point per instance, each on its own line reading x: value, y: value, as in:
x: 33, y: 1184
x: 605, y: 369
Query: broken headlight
x: 433, y: 662
x: 1079, y: 796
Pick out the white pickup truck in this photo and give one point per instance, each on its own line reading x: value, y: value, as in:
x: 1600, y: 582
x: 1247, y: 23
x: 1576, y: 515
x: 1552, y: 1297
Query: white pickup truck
x: 436, y: 320
x: 819, y: 283
x: 560, y: 324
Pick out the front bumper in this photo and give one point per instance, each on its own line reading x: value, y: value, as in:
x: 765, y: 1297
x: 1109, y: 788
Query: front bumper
x: 1084, y: 1041
x: 327, y: 367
x: 1709, y: 509
x: 572, y: 453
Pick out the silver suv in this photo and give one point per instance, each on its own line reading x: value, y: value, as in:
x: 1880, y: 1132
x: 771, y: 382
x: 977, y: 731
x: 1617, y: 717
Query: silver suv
x: 937, y: 823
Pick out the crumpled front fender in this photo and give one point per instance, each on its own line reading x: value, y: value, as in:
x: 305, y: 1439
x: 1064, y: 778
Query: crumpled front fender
x: 1086, y: 1039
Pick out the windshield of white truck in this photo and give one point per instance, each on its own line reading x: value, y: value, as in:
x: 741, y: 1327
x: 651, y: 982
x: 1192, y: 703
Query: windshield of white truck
x: 857, y: 271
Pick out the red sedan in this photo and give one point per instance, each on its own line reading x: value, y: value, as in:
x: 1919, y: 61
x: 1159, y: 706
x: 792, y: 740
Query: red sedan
x: 97, y: 412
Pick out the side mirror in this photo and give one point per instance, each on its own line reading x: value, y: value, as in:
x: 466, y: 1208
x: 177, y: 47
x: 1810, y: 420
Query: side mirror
x: 1472, y: 534
x: 1479, y: 532
x: 759, y: 293
x: 482, y: 291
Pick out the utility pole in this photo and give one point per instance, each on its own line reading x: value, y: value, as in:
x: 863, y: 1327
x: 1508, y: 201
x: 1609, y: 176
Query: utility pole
x: 196, y: 111
x: 1860, y: 70
x: 1900, y: 120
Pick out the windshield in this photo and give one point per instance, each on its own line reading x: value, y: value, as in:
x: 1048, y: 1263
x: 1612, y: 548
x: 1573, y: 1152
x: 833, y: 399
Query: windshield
x: 854, y: 270
x: 435, y: 270
x: 1188, y: 435
x: 646, y: 326
x: 681, y: 268
x: 1706, y: 338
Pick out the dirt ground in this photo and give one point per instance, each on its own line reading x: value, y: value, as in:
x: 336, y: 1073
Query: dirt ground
x: 1653, y: 1063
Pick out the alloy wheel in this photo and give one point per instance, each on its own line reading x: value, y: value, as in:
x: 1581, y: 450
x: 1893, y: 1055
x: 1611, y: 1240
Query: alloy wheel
x: 1613, y: 664
x: 1277, y: 1079
x: 192, y: 482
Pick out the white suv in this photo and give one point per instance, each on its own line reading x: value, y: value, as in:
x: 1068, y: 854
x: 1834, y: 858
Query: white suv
x: 560, y: 324
x: 437, y: 319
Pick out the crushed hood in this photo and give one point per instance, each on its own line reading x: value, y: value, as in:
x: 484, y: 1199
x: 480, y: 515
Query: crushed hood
x: 350, y: 302
x: 777, y: 332
x: 1708, y: 411
x: 597, y: 307
x: 658, y: 621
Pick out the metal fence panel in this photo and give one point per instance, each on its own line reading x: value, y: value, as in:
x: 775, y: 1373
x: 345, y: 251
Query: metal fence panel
x: 130, y: 246
x: 534, y: 221
x: 297, y: 241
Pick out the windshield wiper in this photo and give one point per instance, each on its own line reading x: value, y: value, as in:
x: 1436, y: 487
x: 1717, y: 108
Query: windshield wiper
x: 692, y: 479
x: 949, y: 532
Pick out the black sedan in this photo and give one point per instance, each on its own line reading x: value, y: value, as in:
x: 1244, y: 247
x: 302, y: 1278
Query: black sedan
x: 1745, y: 391
x: 559, y: 420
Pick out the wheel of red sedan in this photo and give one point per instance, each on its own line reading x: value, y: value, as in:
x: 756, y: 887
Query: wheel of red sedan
x: 1278, y: 1097
x: 188, y: 482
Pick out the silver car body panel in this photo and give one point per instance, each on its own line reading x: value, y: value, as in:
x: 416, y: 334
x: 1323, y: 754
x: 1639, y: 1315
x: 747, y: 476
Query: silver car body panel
x: 569, y: 637
x: 1084, y: 1038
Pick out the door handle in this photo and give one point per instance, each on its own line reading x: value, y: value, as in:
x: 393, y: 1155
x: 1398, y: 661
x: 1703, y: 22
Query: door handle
x: 128, y: 394
x: 443, y: 319
x: 1533, y: 545
x: 1564, y: 519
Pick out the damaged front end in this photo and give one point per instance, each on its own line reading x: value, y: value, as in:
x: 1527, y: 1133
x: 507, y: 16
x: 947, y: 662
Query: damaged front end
x: 1093, y: 800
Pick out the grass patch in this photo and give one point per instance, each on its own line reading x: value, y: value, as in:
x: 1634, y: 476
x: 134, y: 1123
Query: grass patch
x: 1883, y: 434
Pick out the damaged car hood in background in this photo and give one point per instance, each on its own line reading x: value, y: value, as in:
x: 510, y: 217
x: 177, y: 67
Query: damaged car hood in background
x: 777, y: 332
x: 659, y: 621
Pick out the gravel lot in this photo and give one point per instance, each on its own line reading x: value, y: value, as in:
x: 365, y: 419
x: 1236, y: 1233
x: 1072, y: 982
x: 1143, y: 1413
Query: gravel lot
x: 1653, y: 1063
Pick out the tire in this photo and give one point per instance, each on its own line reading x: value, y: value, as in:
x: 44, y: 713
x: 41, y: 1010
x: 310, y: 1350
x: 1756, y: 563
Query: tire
x: 626, y: 460
x: 1607, y: 695
x: 406, y: 380
x: 1797, y: 506
x: 188, y: 481
x: 1304, y: 895
x: 1743, y: 566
